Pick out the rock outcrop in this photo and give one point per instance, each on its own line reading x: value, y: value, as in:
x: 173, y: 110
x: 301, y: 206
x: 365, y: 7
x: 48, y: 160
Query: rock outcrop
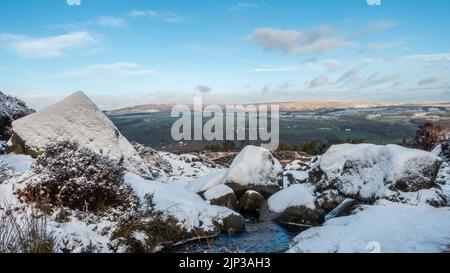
x: 255, y: 168
x: 76, y: 119
x: 11, y: 109
x: 251, y: 201
x: 221, y: 195
x: 368, y: 172
x: 297, y: 206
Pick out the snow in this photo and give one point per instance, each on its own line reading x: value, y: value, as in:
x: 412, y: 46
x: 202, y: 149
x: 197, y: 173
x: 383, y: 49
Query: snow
x: 217, y: 192
x: 299, y: 175
x: 140, y: 236
x: 255, y: 166
x: 78, y: 119
x: 207, y: 181
x: 391, y: 227
x: 374, y: 167
x: 189, y: 208
x: 80, y: 234
x: 12, y: 107
x: 295, y: 195
x: 169, y: 167
x: 20, y: 163
x: 296, y: 176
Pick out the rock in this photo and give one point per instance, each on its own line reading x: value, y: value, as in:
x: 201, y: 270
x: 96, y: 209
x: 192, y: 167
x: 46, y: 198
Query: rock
x: 255, y: 168
x: 233, y: 223
x: 221, y: 195
x: 188, y: 208
x: 368, y: 172
x: 428, y: 136
x: 79, y: 120
x: 11, y: 109
x: 301, y: 215
x: 329, y: 200
x: 207, y: 181
x: 295, y: 195
x: 297, y: 206
x: 250, y: 201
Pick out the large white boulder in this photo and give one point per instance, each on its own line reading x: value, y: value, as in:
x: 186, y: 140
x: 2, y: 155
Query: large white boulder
x: 297, y: 206
x: 255, y: 168
x: 386, y: 228
x: 368, y: 172
x: 77, y: 119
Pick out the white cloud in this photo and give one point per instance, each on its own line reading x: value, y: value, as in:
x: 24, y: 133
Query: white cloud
x: 375, y: 79
x: 319, y: 81
x: 47, y: 47
x: 169, y: 16
x: 111, y: 21
x: 102, y: 21
x: 377, y: 26
x: 328, y: 65
x: 431, y: 80
x: 113, y: 69
x: 431, y: 58
x: 73, y: 2
x: 271, y: 69
x: 349, y: 75
x: 242, y: 6
x: 388, y: 45
x: 203, y: 89
x: 317, y: 40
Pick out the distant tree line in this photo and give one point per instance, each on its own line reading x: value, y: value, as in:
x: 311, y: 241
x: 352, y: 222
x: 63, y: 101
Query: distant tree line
x: 314, y: 147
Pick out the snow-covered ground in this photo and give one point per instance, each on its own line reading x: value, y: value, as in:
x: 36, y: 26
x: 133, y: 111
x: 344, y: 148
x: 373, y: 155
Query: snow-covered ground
x: 386, y: 227
x: 77, y: 234
x: 189, y: 208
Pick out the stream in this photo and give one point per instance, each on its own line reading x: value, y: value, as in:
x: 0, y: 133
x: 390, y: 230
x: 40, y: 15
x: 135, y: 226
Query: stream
x: 262, y: 235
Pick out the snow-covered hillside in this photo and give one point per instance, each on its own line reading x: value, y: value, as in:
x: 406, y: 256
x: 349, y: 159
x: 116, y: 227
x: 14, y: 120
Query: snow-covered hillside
x: 90, y: 190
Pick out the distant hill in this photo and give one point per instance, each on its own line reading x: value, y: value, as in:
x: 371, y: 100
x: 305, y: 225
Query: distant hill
x: 286, y: 106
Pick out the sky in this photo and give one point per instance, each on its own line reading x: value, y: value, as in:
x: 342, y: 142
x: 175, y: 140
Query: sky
x: 124, y: 53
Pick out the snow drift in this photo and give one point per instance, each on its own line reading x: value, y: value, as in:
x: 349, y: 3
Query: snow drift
x: 388, y: 228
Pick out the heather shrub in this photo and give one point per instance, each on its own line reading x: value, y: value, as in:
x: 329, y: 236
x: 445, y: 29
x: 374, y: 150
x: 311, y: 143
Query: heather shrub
x: 68, y: 175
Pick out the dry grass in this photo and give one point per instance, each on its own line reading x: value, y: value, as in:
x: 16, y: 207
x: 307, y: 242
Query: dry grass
x: 25, y: 234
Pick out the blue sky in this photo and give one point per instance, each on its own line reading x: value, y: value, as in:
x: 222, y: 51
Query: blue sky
x: 163, y: 51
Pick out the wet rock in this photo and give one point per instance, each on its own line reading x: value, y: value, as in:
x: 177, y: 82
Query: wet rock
x: 301, y: 215
x: 221, y: 195
x: 250, y: 201
x: 233, y: 223
x: 255, y: 168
